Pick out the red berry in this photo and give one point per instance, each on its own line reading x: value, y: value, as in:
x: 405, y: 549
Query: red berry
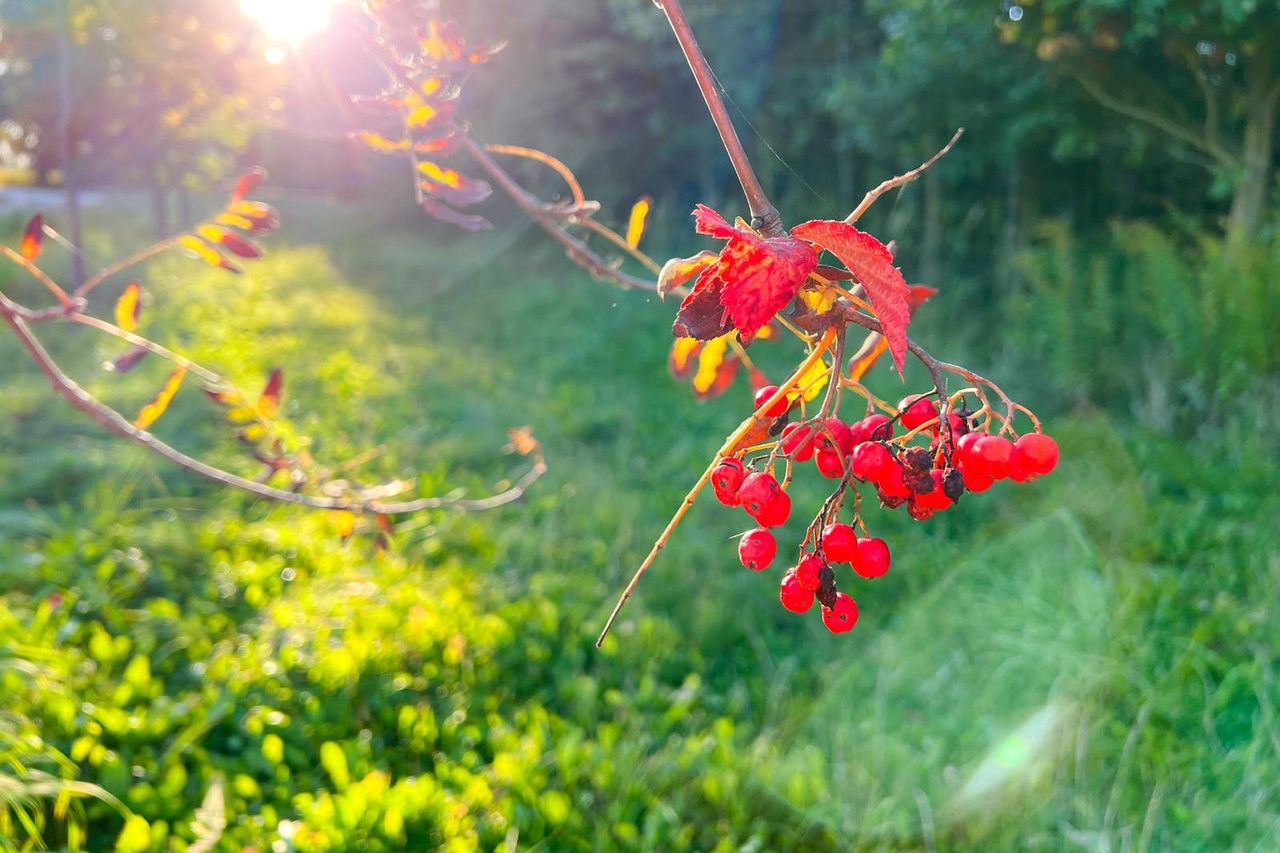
x: 839, y: 543
x: 809, y: 572
x: 798, y: 442
x: 871, y: 461
x: 936, y: 499
x: 991, y: 455
x: 757, y: 490
x: 964, y: 447
x: 756, y: 549
x: 872, y: 428
x: 836, y: 435
x: 975, y: 482
x: 917, y: 411
x: 1018, y: 470
x: 917, y: 510
x: 873, y: 558
x: 728, y: 476
x: 958, y: 425
x: 775, y: 512
x: 830, y: 463
x: 726, y: 498
x: 843, y: 616
x: 793, y: 596
x: 778, y: 408
x: 1035, y: 452
x: 892, y: 483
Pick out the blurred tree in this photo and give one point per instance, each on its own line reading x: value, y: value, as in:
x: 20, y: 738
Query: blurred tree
x: 1199, y: 76
x: 164, y: 91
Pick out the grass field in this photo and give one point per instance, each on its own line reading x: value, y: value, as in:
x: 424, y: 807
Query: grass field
x: 1089, y: 661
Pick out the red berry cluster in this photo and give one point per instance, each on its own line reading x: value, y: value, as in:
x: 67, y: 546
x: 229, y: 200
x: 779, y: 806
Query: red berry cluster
x: 928, y: 469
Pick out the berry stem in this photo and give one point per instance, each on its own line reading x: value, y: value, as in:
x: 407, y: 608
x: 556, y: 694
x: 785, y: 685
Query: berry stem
x: 730, y: 444
x: 764, y: 215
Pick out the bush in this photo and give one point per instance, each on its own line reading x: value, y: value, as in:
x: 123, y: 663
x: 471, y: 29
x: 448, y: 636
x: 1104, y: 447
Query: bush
x: 1175, y: 328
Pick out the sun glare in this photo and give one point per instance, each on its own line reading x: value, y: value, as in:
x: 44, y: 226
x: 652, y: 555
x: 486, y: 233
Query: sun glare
x: 289, y: 20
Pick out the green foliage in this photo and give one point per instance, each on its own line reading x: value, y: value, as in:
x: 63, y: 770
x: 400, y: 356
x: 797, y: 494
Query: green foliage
x: 1183, y: 328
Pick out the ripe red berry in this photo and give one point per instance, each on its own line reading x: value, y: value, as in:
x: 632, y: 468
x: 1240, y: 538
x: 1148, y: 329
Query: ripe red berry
x: 991, y: 455
x: 756, y: 549
x: 892, y: 483
x: 830, y: 463
x: 728, y: 475
x: 875, y: 427
x: 793, y: 595
x: 1035, y: 452
x: 841, y: 617
x: 975, y: 482
x: 775, y: 511
x: 756, y: 490
x: 871, y: 461
x: 936, y: 498
x: 964, y: 448
x: 839, y: 543
x: 778, y: 408
x: 798, y: 442
x: 836, y: 435
x: 809, y: 572
x: 917, y: 411
x: 873, y: 558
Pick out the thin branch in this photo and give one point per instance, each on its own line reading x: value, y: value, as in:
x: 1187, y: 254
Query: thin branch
x: 905, y: 178
x: 548, y: 218
x: 575, y: 188
x: 123, y: 264
x: 114, y: 422
x: 39, y: 275
x: 764, y: 215
x: 730, y: 444
x: 1158, y: 121
x: 618, y: 240
x: 146, y: 344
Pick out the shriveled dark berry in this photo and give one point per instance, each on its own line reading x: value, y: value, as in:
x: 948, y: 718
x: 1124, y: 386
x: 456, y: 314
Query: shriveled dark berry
x: 919, y: 482
x: 916, y: 458
x: 952, y: 483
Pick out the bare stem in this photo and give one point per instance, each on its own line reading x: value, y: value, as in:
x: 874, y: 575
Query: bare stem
x: 905, y: 178
x: 764, y: 215
x: 575, y: 188
x: 39, y: 275
x: 123, y: 264
x: 549, y: 218
x: 730, y: 444
x: 146, y: 344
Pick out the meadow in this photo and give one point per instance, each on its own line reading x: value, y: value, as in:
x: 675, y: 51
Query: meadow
x: 1086, y: 661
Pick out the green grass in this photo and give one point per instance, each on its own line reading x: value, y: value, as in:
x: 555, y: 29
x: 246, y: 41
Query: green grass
x: 1087, y: 660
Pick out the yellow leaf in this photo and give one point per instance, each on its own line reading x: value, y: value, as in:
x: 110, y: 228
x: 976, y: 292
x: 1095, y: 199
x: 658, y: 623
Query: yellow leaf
x: 206, y: 253
x: 381, y: 144
x: 152, y: 411
x: 820, y: 299
x: 234, y: 220
x: 128, y: 305
x: 811, y: 382
x: 345, y: 522
x: 638, y: 221
x: 682, y: 350
x: 709, y: 361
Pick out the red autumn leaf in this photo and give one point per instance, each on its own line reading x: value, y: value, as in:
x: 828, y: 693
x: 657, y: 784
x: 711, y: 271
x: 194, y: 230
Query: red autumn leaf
x: 439, y: 145
x: 33, y: 238
x: 677, y: 271
x: 755, y: 278
x: 128, y: 361
x: 445, y: 213
x: 875, y: 346
x: 872, y: 263
x: 762, y: 279
x: 269, y: 402
x: 701, y: 316
x: 249, y: 182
